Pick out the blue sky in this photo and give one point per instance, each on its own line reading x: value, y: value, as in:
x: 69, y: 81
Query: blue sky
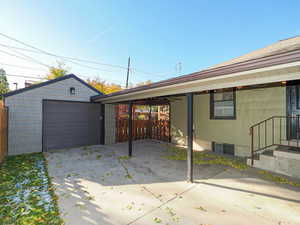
x: 156, y: 34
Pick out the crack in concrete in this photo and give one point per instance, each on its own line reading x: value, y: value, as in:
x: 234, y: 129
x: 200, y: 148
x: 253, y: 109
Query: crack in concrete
x: 194, y: 185
x: 132, y: 178
x: 164, y: 203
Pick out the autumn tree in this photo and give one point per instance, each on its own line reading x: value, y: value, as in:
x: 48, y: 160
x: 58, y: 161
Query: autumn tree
x: 131, y: 85
x: 57, y: 71
x: 147, y: 82
x: 4, y: 87
x: 103, y: 86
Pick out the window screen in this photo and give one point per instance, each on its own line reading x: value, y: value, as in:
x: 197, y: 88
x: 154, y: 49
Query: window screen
x: 223, y: 148
x: 223, y: 105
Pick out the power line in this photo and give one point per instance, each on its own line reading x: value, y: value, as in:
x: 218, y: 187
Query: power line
x: 90, y: 67
x: 59, y: 56
x: 23, y: 67
x: 27, y: 58
x: 62, y: 57
x: 18, y: 48
x: 32, y: 59
x: 24, y: 76
x: 38, y: 50
x: 84, y: 77
x: 32, y: 77
x: 69, y: 59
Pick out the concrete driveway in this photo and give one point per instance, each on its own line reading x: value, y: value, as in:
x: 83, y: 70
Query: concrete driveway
x: 96, y: 185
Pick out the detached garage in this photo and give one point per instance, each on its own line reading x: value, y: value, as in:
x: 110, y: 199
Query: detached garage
x: 53, y: 115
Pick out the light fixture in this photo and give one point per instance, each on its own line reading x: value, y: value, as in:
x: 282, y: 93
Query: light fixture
x: 72, y: 90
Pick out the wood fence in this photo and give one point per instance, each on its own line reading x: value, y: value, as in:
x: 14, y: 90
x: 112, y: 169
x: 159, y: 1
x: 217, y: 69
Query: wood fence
x: 144, y: 129
x: 3, y: 131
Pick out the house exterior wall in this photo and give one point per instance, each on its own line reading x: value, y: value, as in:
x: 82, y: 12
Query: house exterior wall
x: 110, y: 124
x: 252, y: 106
x: 25, y: 113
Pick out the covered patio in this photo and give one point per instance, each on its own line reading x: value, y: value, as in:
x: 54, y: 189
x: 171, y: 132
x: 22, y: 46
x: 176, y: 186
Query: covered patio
x: 155, y: 101
x: 102, y: 185
x: 256, y: 73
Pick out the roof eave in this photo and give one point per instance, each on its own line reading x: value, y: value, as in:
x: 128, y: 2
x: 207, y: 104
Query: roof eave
x: 250, y: 65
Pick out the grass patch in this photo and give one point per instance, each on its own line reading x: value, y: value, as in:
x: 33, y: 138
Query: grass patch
x: 125, y: 157
x: 201, y: 208
x: 128, y: 176
x: 204, y: 157
x: 157, y: 220
x: 26, y: 193
x: 278, y: 179
x: 208, y: 157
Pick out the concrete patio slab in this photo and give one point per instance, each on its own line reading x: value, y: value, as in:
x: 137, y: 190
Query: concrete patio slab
x: 97, y: 185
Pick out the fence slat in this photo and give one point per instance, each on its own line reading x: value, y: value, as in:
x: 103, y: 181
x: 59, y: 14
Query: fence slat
x: 142, y: 129
x: 3, y: 131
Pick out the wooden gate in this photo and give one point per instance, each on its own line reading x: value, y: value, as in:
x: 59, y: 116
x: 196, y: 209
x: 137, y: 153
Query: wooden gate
x: 144, y: 129
x: 150, y: 128
x: 3, y: 131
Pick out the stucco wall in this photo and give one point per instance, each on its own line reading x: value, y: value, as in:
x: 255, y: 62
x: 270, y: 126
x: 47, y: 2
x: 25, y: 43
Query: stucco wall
x: 252, y: 106
x: 110, y: 124
x: 25, y: 113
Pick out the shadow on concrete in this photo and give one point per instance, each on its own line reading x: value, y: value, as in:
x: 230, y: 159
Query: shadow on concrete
x: 249, y: 191
x: 106, y: 167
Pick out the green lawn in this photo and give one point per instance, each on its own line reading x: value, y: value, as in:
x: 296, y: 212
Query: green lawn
x: 26, y: 194
x: 205, y: 157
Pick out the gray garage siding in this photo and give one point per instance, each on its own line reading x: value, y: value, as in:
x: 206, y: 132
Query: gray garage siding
x: 110, y: 123
x: 25, y: 113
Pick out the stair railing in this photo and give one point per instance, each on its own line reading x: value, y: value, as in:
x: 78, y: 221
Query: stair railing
x: 274, y: 131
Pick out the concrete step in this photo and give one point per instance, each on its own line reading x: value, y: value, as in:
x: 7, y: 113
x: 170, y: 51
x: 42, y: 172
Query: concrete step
x: 282, y: 161
x: 257, y: 156
x: 255, y: 162
x: 287, y: 153
x: 267, y: 162
x: 292, y: 143
x: 268, y: 152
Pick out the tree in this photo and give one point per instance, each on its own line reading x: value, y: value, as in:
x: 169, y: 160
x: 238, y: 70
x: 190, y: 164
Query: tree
x: 104, y: 86
x: 143, y: 83
x: 131, y: 85
x: 57, y: 71
x: 4, y: 87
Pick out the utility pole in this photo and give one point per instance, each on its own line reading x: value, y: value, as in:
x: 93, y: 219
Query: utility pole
x: 16, y: 84
x: 178, y: 68
x: 128, y: 71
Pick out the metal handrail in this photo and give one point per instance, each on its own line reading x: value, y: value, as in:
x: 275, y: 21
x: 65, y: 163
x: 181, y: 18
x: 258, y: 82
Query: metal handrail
x: 264, y: 135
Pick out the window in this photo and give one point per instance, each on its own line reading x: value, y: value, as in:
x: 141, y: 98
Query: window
x: 72, y: 90
x: 298, y: 96
x: 222, y: 105
x: 223, y: 148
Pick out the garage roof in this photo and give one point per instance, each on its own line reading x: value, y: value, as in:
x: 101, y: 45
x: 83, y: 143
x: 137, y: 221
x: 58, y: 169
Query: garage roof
x: 51, y: 82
